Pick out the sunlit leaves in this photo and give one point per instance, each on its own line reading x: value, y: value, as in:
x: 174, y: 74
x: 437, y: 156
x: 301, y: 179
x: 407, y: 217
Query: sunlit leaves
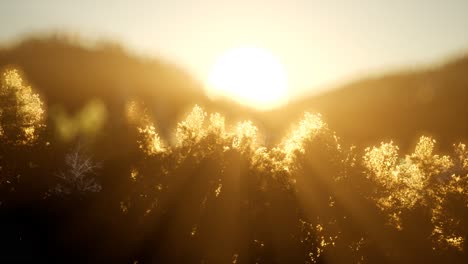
x: 420, y: 178
x: 308, y: 127
x: 245, y: 136
x: 293, y: 185
x: 400, y: 183
x: 150, y: 142
x: 381, y: 161
x: 217, y: 124
x: 451, y: 192
x: 203, y: 138
x: 21, y: 110
x: 315, y: 240
x: 190, y: 131
x: 461, y: 152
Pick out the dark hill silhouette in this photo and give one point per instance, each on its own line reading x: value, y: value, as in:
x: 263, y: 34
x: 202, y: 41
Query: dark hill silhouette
x: 398, y: 106
x: 70, y: 74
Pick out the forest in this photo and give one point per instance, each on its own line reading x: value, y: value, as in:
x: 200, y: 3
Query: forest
x: 93, y: 171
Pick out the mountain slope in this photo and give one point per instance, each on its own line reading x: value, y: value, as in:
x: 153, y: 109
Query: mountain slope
x: 70, y: 74
x: 398, y: 106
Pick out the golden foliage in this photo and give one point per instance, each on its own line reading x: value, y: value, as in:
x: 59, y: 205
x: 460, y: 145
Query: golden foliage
x: 313, y: 236
x: 381, y: 161
x: 21, y: 110
x: 150, y: 141
x: 245, y: 136
x: 190, y: 131
x: 217, y: 124
x: 420, y: 178
x: 308, y: 127
x: 134, y: 174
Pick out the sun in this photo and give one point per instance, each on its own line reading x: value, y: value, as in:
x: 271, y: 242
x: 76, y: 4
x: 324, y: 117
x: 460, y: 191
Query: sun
x: 251, y: 76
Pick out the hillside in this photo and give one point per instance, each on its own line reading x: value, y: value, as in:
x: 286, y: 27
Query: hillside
x: 398, y: 106
x: 69, y: 75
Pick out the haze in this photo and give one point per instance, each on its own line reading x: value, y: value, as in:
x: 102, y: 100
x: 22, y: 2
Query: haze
x: 319, y: 43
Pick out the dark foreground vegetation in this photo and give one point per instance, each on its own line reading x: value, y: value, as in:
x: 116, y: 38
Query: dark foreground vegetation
x: 93, y: 176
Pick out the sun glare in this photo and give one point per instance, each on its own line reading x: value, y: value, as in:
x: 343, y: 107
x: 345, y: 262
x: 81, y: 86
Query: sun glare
x: 251, y: 76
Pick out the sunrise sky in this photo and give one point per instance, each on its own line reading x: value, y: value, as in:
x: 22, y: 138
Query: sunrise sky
x: 318, y: 42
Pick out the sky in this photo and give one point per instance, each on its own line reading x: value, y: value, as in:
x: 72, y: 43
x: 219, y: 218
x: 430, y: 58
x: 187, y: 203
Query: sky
x: 320, y: 43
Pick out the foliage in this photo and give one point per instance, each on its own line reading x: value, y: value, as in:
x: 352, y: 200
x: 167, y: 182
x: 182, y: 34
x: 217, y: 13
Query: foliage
x: 401, y: 184
x: 21, y: 110
x: 421, y: 178
x: 214, y: 193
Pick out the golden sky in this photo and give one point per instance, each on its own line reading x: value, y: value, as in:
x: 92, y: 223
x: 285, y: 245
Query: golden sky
x: 318, y: 42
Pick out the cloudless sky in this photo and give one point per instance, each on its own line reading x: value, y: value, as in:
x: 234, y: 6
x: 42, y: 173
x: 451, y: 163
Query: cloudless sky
x: 318, y: 42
